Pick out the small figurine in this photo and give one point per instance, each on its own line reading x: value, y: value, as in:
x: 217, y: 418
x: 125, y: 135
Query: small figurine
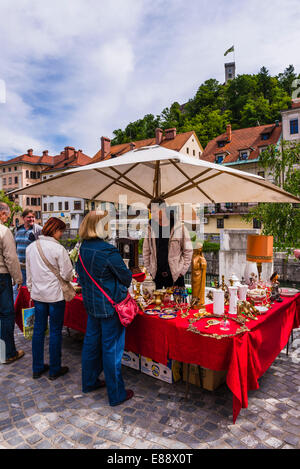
x: 275, y: 296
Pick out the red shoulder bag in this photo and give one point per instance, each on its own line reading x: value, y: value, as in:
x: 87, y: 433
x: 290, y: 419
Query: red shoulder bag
x: 127, y: 309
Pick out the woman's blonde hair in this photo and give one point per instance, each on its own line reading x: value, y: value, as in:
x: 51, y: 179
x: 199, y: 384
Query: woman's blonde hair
x: 95, y: 225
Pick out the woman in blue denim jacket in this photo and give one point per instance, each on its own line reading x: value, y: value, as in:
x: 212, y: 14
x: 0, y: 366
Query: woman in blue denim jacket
x: 104, y: 339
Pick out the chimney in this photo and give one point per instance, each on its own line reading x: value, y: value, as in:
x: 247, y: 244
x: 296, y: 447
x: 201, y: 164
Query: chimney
x: 69, y: 151
x: 170, y: 133
x: 105, y: 147
x: 45, y: 153
x: 132, y: 145
x: 30, y: 152
x: 158, y: 136
x: 229, y: 132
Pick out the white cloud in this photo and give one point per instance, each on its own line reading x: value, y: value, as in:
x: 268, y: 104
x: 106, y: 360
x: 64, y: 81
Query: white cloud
x: 78, y: 69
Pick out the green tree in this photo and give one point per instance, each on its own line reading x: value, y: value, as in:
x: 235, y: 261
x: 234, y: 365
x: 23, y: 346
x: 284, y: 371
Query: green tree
x: 172, y: 117
x: 208, y: 124
x: 137, y: 130
x: 14, y: 208
x: 286, y: 79
x: 207, y: 95
x: 282, y: 221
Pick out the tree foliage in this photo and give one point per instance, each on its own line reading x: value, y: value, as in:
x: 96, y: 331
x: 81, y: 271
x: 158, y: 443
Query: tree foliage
x: 14, y: 208
x: 246, y: 101
x: 282, y: 221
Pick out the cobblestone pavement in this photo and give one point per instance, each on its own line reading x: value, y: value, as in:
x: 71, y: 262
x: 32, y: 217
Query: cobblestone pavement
x: 55, y: 414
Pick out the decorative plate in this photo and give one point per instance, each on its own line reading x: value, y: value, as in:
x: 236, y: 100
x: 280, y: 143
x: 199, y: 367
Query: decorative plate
x: 152, y: 312
x: 168, y: 314
x: 288, y: 291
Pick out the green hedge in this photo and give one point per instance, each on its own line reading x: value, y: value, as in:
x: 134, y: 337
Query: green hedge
x: 69, y: 243
x: 210, y: 247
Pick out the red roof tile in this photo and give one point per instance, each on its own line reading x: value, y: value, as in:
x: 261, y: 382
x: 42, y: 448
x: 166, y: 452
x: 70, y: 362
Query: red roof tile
x: 296, y: 104
x: 77, y: 159
x: 174, y: 144
x: 242, y: 139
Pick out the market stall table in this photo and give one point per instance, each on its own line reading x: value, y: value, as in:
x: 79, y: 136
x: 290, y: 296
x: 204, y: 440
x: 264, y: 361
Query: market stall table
x: 246, y: 356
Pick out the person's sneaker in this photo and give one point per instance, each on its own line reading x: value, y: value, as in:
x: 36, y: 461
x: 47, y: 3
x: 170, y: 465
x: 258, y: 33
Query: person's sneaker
x: 39, y: 374
x: 62, y: 372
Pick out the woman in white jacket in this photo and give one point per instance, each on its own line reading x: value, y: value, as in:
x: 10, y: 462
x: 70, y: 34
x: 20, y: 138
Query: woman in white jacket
x: 47, y: 294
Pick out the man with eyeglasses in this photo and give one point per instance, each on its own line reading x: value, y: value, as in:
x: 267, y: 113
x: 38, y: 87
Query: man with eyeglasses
x: 9, y: 270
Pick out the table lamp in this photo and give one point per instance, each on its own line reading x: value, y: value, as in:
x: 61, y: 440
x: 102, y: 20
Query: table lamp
x: 259, y: 250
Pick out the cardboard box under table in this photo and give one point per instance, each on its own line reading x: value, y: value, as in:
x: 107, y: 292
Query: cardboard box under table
x: 133, y: 360
x: 169, y: 373
x: 203, y: 377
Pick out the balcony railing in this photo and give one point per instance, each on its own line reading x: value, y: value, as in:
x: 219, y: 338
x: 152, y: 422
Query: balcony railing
x: 228, y: 208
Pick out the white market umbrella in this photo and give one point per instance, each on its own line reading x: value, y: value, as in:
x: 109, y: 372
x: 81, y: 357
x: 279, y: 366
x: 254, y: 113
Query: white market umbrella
x: 156, y: 171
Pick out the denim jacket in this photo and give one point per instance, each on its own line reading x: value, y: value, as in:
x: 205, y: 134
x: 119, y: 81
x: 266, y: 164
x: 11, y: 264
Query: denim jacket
x: 105, y: 264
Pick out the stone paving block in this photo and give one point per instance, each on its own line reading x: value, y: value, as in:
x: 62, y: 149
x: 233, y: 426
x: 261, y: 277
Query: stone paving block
x: 274, y: 443
x: 110, y: 435
x: 34, y: 438
x: 15, y: 441
x: 249, y: 441
x: 85, y: 440
x: 44, y: 445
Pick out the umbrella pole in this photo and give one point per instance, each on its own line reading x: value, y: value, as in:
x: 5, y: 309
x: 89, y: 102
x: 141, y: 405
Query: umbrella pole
x: 157, y: 180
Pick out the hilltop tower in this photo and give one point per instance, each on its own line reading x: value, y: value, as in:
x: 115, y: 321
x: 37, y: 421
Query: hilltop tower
x: 229, y: 71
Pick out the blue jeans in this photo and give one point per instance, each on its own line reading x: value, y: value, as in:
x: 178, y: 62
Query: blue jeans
x: 7, y: 319
x: 56, y: 313
x: 103, y: 349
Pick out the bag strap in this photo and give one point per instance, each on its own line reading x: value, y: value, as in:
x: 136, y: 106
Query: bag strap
x: 94, y: 281
x: 50, y: 266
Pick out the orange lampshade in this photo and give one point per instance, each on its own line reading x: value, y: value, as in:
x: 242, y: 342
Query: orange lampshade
x: 259, y: 248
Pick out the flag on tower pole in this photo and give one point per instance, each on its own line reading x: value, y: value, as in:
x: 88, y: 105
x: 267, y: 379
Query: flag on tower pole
x: 229, y: 50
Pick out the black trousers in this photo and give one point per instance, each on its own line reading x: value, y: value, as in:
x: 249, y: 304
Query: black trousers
x: 161, y: 280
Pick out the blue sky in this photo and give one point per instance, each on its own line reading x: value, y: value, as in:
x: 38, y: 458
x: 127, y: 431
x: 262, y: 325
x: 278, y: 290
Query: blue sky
x: 75, y: 70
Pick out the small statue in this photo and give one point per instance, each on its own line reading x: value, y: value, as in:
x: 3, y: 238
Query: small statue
x: 199, y: 266
x: 275, y: 295
x: 224, y: 287
x: 210, y: 295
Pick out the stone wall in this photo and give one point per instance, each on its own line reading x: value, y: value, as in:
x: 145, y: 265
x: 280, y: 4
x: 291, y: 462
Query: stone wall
x: 232, y: 256
x: 288, y: 268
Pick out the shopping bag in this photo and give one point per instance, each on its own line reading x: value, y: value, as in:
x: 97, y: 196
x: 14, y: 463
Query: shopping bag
x: 28, y: 315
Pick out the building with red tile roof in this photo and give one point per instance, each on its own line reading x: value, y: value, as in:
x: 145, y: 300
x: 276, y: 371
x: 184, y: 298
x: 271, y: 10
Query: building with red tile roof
x: 28, y: 169
x: 242, y: 146
x: 186, y: 142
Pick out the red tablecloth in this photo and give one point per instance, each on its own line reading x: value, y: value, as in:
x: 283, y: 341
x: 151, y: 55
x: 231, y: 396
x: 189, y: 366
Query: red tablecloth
x: 246, y: 356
